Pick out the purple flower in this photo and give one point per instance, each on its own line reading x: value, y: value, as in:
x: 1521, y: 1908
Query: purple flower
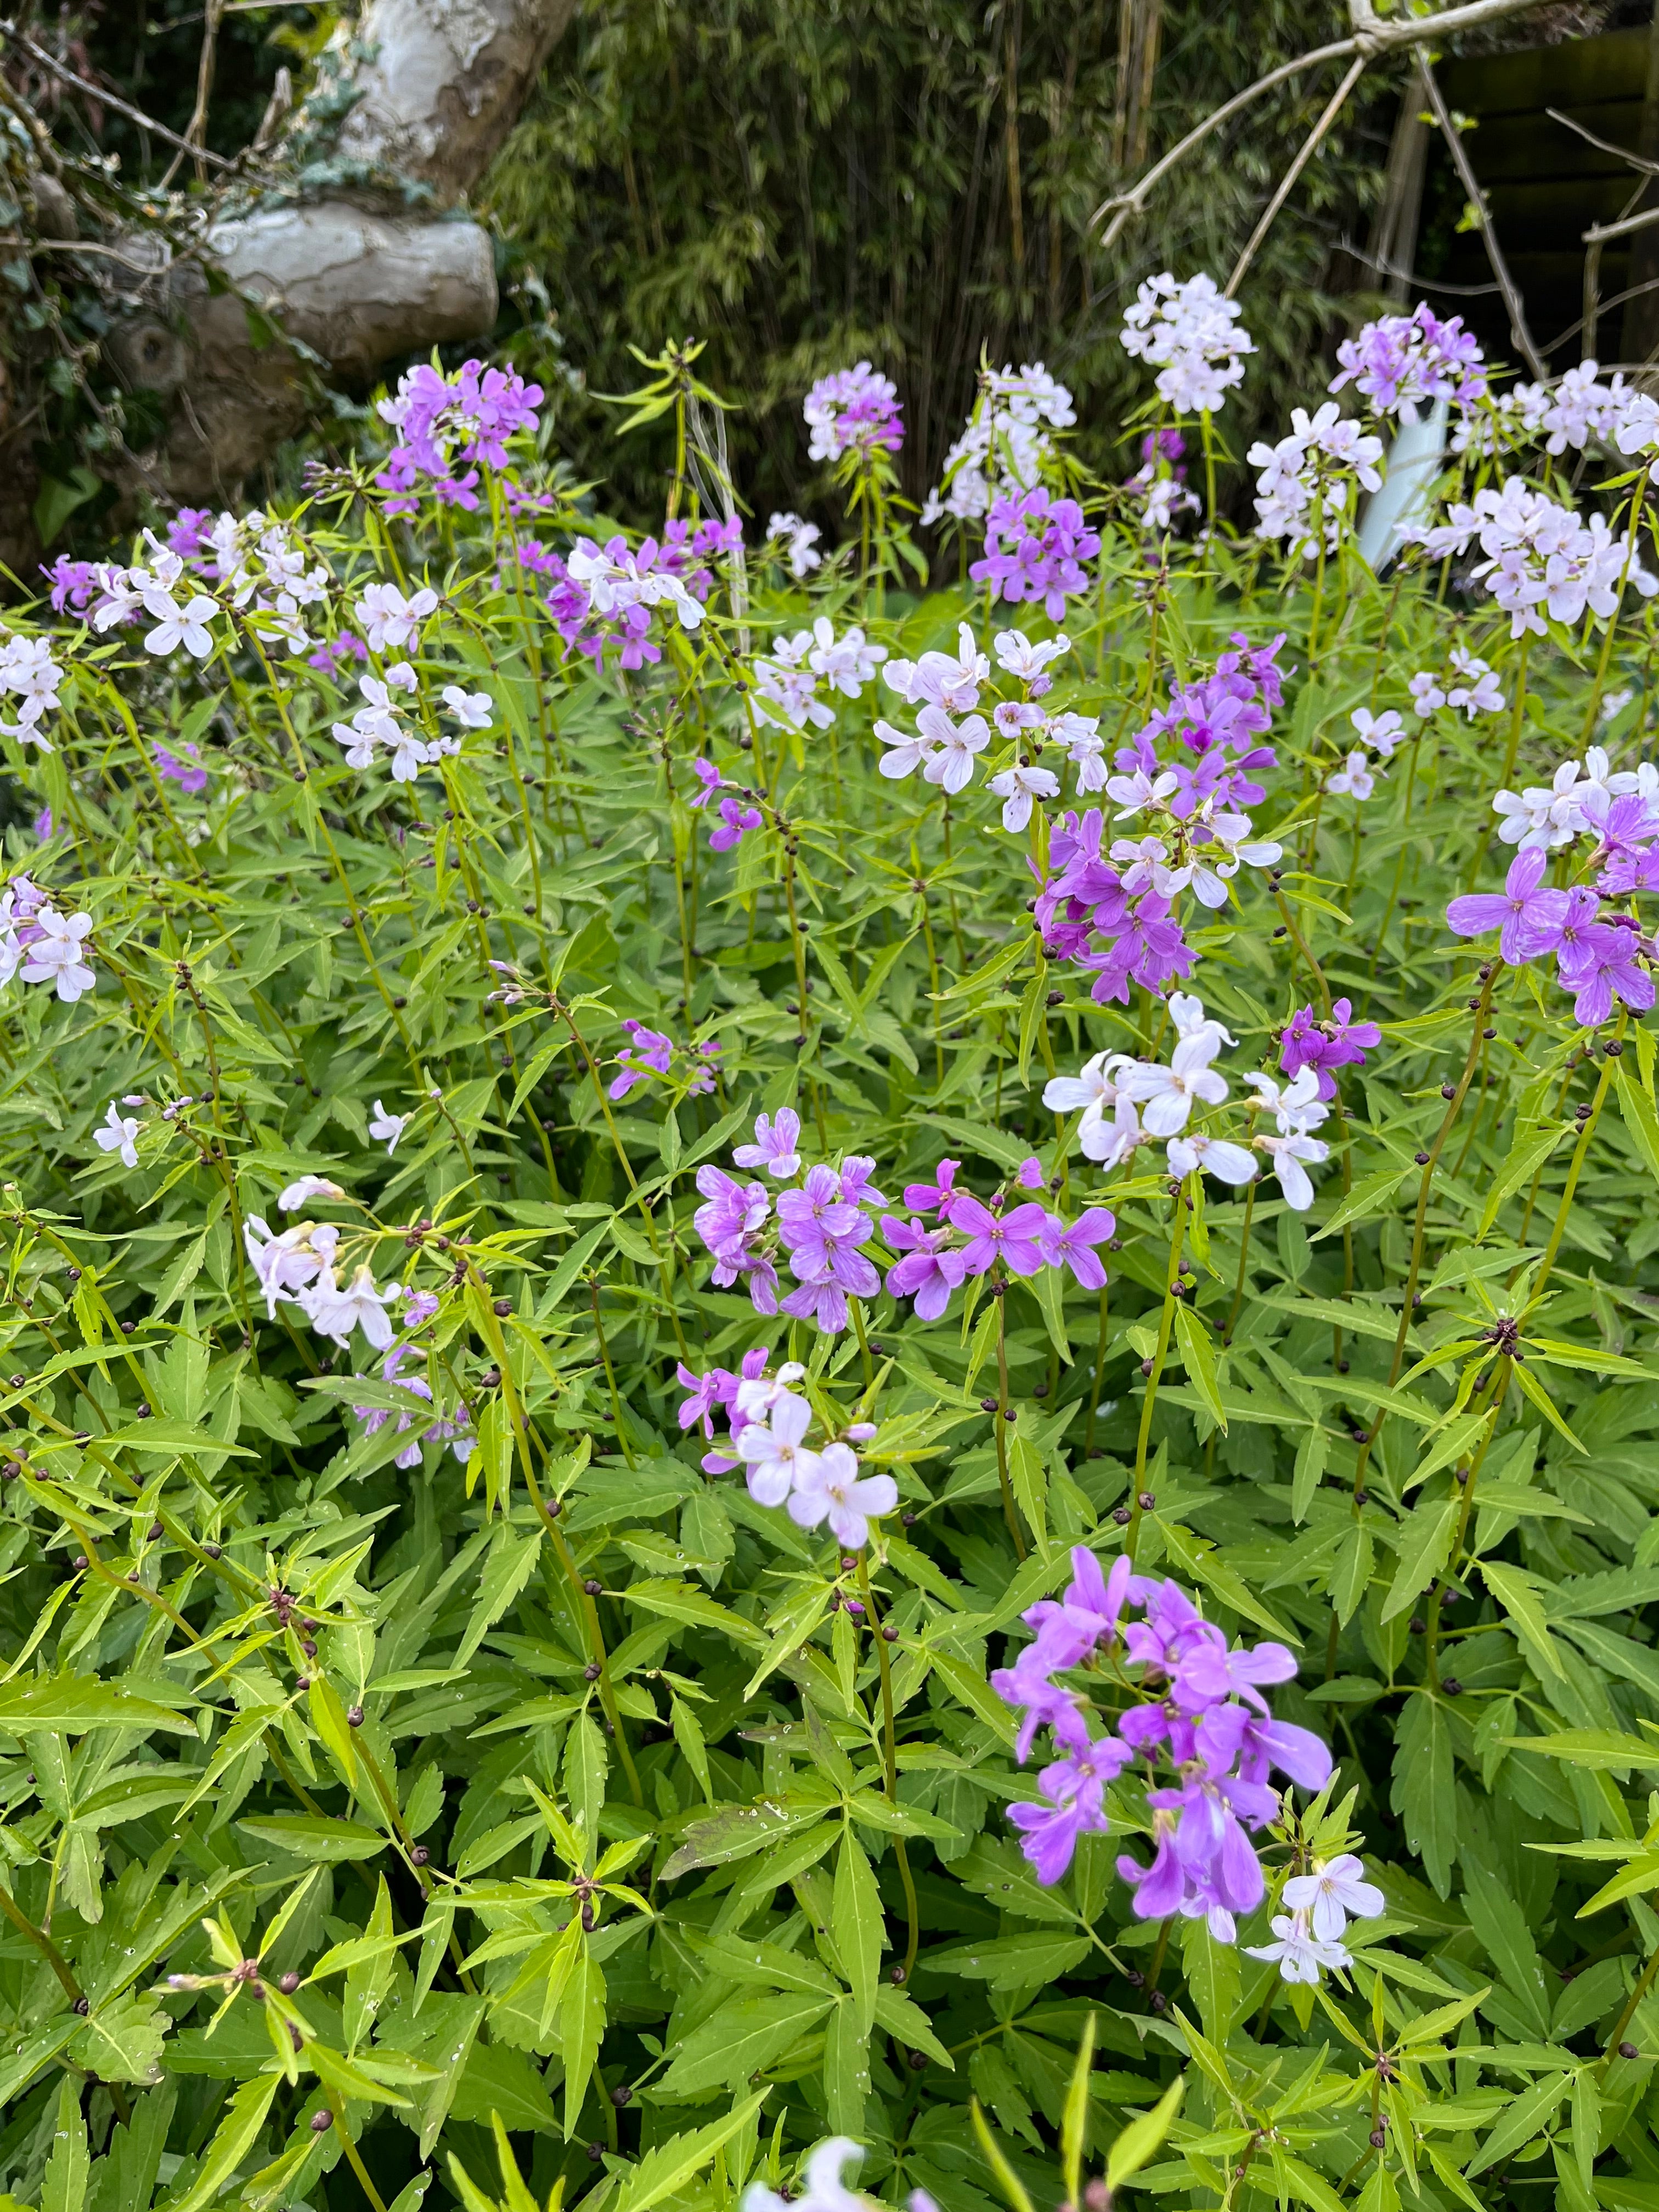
x: 448, y: 428
x: 940, y: 1196
x: 73, y: 584
x: 709, y: 781
x: 736, y: 821
x: 648, y: 1054
x: 776, y: 1146
x: 42, y: 824
x: 1071, y: 1244
x: 1528, y: 920
x: 337, y: 652
x: 1034, y: 547
x: 1075, y: 1790
x: 1029, y: 1174
x: 1604, y: 963
x: 1339, y: 1042
x: 1400, y: 361
x: 1013, y: 1238
x: 856, y: 1187
x: 192, y: 780
x: 420, y: 1306
x: 929, y: 1271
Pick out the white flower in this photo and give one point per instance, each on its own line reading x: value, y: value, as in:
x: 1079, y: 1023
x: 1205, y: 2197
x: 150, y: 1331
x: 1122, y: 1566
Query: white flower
x: 386, y: 1128
x: 1002, y: 450
x: 950, y: 763
x: 295, y: 1194
x: 1168, y: 1093
x: 1111, y: 1146
x: 832, y: 1489
x: 1287, y: 1154
x: 1022, y: 660
x: 1092, y: 1090
x: 1229, y: 1163
x: 825, y: 2190
x: 57, y: 955
x: 1354, y: 779
x: 390, y: 621
x: 176, y: 625
x: 335, y: 1312
x: 117, y: 1134
x: 1187, y: 1013
x: 799, y: 541
x: 1296, y: 1106
x: 939, y: 680
x: 1614, y: 705
x: 847, y: 663
x: 1479, y: 693
x: 1298, y: 1952
x: 1191, y: 333
x: 471, y: 709
x: 1381, y: 733
x: 772, y: 1452
x: 1017, y: 788
x: 1335, y: 1890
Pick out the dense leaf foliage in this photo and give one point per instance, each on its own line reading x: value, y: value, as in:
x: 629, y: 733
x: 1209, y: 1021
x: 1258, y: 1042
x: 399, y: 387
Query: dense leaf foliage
x: 423, y: 1754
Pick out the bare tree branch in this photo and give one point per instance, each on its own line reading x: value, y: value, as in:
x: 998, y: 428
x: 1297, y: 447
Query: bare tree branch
x: 1309, y: 146
x: 1370, y: 38
x: 12, y: 36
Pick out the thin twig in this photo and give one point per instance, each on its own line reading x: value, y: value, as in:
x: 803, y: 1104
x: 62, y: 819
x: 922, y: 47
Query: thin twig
x: 1309, y: 147
x: 50, y: 62
x: 1606, y: 145
x: 1500, y: 268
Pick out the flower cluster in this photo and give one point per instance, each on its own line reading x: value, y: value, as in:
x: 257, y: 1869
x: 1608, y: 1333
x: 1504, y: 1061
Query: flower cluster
x: 853, y: 411
x: 733, y: 819
x: 380, y: 724
x: 1541, y: 558
x: 1399, y: 361
x: 29, y: 674
x: 1192, y: 335
x: 1599, y: 955
x: 42, y: 945
x: 603, y: 597
x: 1306, y: 488
x: 454, y: 1430
x: 157, y: 589
x: 820, y: 1226
x: 1469, y: 683
x: 788, y: 681
x: 1200, y: 1712
x: 1035, y: 549
x: 649, y: 1053
x: 976, y: 1236
x: 796, y: 542
x: 1322, y: 1901
x: 1124, y: 1104
x: 1378, y: 734
x: 1337, y: 1042
x: 259, y: 566
x: 449, y: 427
x: 769, y: 1425
x: 1190, y: 793
x: 686, y: 549
x: 949, y: 736
x: 1006, y: 446
x: 296, y: 1265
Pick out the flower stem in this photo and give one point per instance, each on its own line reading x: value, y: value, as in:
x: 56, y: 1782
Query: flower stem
x: 1166, y: 1323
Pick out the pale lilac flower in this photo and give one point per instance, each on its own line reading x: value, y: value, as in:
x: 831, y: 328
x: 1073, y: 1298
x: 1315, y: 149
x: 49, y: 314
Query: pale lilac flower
x: 1093, y: 1092
x: 1018, y: 657
x: 830, y: 1488
x: 1353, y: 779
x: 471, y: 709
x: 1007, y: 445
x: 419, y: 1306
x: 1399, y: 361
x: 1229, y: 1163
x: 283, y: 1264
x: 1380, y: 732
x: 1479, y: 692
x: 1018, y: 788
x: 1333, y: 1892
x: 854, y: 410
x: 1191, y: 333
x: 1287, y: 1155
x: 939, y: 680
x: 775, y: 1147
x: 386, y: 1128
x: 955, y: 745
x: 1111, y: 1146
x: 335, y: 1313
x: 1014, y: 716
x: 294, y: 1195
x: 1297, y: 1106
x: 905, y: 754
x: 58, y: 956
x: 118, y: 1133
x: 825, y: 2190
x: 1426, y: 694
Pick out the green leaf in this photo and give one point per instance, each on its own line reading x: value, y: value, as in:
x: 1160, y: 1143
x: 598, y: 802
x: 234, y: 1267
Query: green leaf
x: 1525, y: 2117
x: 1197, y: 1357
x: 1425, y: 1540
x: 327, y: 1842
x: 859, y: 1927
x: 233, y: 2139
x: 1518, y: 1593
x: 1143, y: 2138
x: 73, y: 1703
x: 744, y: 2037
x: 664, y: 2171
